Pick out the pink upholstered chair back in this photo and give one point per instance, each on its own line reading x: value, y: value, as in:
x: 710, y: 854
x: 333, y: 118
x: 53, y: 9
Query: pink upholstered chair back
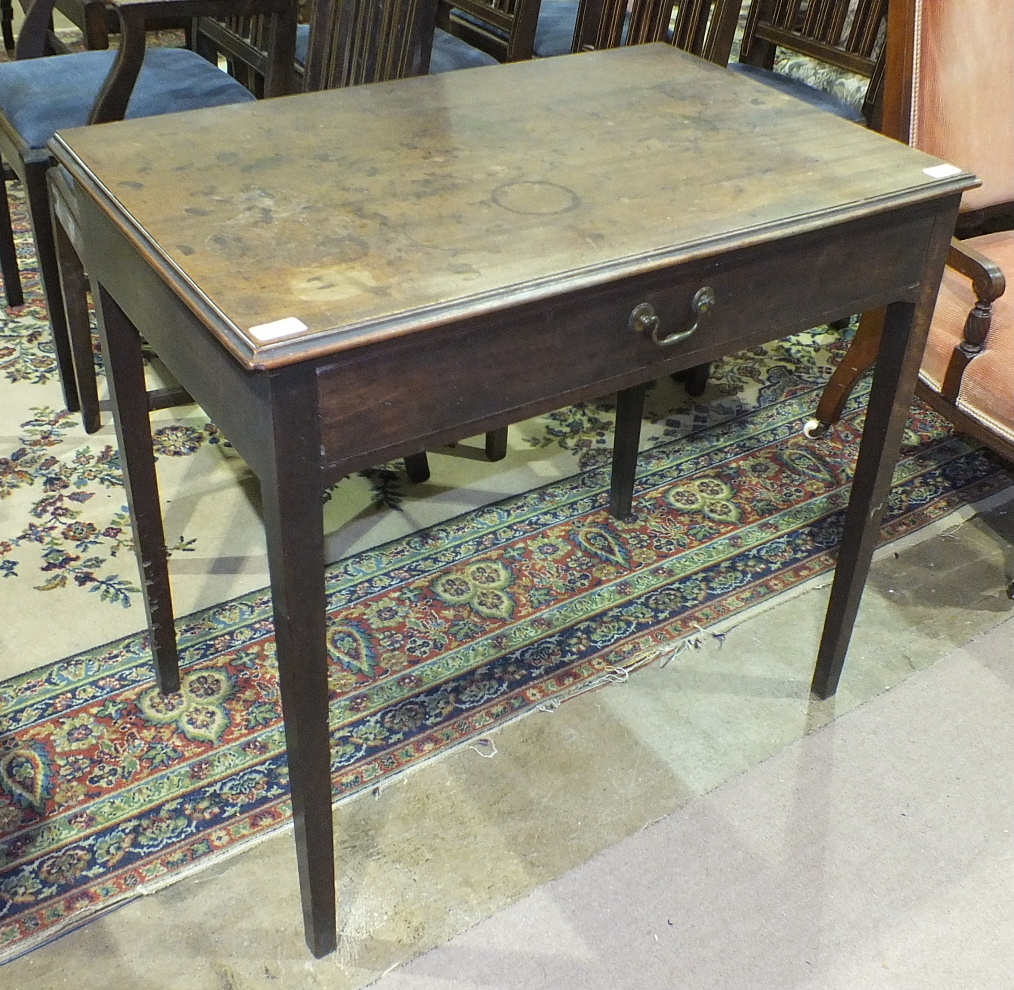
x: 965, y: 48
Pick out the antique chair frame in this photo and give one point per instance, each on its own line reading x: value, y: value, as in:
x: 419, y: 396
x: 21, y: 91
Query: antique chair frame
x: 985, y: 276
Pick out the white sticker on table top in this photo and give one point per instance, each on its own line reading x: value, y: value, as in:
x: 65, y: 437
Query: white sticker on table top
x: 277, y: 329
x: 942, y: 171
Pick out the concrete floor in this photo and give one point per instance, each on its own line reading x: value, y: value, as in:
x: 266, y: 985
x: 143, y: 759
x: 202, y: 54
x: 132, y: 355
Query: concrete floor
x: 450, y: 844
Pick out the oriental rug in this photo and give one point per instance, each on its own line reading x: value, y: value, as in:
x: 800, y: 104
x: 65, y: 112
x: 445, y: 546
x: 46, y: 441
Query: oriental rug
x: 437, y: 635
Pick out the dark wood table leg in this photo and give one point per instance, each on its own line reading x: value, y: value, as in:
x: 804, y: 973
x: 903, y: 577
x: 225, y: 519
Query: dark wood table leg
x: 294, y: 524
x: 121, y: 346
x: 890, y: 397
x: 75, y: 300
x: 37, y: 193
x: 626, y: 437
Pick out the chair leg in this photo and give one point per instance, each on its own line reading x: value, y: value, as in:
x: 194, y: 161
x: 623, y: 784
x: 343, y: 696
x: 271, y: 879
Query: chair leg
x: 496, y: 444
x: 7, y: 23
x: 9, y: 253
x: 417, y: 467
x: 49, y: 269
x: 694, y: 380
x: 74, y: 285
x: 860, y: 357
x: 96, y: 27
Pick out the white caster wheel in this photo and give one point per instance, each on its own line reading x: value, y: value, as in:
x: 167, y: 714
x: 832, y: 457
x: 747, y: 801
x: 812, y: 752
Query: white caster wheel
x: 814, y: 428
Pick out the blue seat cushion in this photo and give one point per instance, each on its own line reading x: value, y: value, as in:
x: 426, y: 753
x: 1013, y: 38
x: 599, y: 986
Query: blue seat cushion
x: 795, y: 87
x: 40, y: 96
x: 448, y: 53
x: 555, y: 32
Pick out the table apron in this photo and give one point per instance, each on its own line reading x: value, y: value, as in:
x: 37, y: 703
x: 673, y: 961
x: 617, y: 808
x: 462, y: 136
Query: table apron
x: 390, y: 398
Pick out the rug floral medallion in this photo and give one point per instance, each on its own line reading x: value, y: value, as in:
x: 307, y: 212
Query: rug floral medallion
x: 455, y: 606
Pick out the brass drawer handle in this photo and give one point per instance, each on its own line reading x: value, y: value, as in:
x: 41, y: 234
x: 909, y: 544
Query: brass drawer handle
x: 644, y: 319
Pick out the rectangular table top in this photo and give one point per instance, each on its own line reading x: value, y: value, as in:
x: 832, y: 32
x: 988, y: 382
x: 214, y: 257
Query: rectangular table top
x: 306, y: 225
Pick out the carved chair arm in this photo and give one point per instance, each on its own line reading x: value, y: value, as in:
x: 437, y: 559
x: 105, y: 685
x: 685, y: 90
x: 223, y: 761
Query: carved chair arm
x: 112, y: 101
x: 985, y: 274
x: 34, y: 31
x: 988, y: 283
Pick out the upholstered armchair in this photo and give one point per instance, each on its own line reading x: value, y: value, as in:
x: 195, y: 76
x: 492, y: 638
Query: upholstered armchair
x: 948, y: 92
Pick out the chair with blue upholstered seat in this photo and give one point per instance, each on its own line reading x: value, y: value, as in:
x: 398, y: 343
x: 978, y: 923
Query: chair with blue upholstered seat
x: 512, y: 30
x: 241, y: 43
x: 94, y: 18
x: 847, y: 35
x: 41, y: 94
x: 706, y: 28
x: 383, y: 47
x: 447, y: 53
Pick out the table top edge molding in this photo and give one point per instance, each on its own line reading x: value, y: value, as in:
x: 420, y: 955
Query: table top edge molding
x: 315, y: 343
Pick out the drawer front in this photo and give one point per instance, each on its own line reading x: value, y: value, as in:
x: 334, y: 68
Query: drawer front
x: 449, y: 382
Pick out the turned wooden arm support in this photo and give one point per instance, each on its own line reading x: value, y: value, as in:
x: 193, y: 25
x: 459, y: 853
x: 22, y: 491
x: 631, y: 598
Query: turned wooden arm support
x: 112, y: 101
x: 988, y: 283
x: 985, y: 274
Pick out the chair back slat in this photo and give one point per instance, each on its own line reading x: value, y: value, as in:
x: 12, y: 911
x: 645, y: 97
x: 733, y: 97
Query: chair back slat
x: 361, y: 41
x: 844, y: 33
x: 690, y: 25
x: 702, y: 27
x: 649, y: 21
x: 866, y: 28
x: 510, y: 25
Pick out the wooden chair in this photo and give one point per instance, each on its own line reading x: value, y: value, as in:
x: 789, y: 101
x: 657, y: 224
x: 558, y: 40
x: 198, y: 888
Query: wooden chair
x: 506, y: 29
x: 40, y: 95
x: 94, y: 18
x: 846, y: 34
x: 948, y: 92
x: 513, y: 30
x: 706, y: 28
x: 374, y: 49
x: 242, y: 43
